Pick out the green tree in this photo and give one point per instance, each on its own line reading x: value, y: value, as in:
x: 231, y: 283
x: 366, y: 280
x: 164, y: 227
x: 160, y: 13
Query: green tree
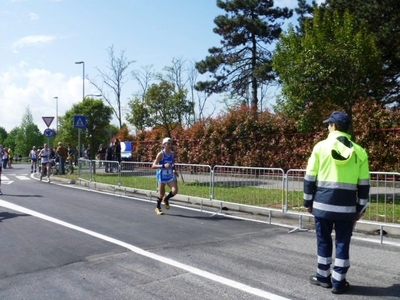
x: 27, y: 135
x: 243, y: 60
x: 304, y: 12
x: 182, y: 77
x: 12, y: 137
x: 139, y: 114
x: 334, y: 63
x: 382, y: 20
x: 163, y: 106
x: 98, y: 117
x: 3, y: 134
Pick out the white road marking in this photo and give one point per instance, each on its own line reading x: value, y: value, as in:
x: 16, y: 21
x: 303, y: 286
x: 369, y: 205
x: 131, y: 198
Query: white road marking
x: 83, y: 188
x: 6, y: 181
x: 23, y: 177
x: 137, y: 250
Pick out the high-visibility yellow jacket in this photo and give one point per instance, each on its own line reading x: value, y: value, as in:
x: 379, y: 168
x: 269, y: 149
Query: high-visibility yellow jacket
x: 337, y: 184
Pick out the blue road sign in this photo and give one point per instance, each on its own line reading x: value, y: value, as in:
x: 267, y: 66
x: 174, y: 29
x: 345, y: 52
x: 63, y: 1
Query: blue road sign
x: 80, y: 122
x: 48, y: 132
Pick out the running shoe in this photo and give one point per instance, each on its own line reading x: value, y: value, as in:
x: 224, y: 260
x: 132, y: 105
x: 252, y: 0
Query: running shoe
x: 159, y: 211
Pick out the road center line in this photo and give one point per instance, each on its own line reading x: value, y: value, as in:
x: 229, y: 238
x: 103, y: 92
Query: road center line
x: 137, y: 250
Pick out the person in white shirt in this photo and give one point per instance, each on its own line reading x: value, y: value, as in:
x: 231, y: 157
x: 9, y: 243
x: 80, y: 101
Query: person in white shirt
x: 33, y: 157
x: 45, y: 161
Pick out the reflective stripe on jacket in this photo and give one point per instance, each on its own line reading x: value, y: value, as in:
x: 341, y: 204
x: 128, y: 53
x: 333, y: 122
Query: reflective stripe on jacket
x: 337, y: 184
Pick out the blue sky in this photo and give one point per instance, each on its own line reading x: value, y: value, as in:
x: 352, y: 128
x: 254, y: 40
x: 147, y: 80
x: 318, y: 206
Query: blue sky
x: 40, y: 41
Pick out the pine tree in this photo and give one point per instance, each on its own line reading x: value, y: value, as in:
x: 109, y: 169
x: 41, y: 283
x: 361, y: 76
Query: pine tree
x: 247, y: 28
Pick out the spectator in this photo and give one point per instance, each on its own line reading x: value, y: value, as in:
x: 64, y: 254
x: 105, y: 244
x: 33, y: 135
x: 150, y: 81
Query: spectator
x: 87, y: 152
x: 70, y: 151
x: 10, y: 157
x: 62, y: 152
x: 5, y: 157
x: 101, y: 154
x: 70, y: 159
x: 109, y: 157
x: 117, y: 150
x: 78, y: 155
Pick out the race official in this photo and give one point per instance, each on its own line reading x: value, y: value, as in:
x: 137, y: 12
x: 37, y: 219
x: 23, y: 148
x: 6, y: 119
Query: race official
x: 336, y: 189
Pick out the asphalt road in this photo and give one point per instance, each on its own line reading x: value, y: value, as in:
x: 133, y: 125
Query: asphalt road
x: 60, y: 241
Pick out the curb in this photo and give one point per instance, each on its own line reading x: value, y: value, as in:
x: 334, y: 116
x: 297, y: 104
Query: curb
x: 301, y: 221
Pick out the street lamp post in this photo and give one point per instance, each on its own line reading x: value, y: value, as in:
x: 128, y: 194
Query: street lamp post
x: 56, y: 113
x: 83, y: 77
x: 83, y: 98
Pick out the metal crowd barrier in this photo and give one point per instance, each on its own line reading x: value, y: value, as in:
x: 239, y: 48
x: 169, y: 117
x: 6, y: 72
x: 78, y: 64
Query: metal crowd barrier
x: 263, y: 188
x: 383, y: 196
x: 249, y: 186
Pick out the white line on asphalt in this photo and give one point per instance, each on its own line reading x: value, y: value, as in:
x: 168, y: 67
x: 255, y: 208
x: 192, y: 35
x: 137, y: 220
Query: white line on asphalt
x: 137, y: 250
x: 354, y: 237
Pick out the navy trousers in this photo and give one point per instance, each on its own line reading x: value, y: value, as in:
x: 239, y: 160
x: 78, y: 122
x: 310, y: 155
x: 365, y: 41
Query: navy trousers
x: 343, y: 232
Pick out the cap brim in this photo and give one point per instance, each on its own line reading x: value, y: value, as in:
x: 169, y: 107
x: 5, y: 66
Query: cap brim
x: 326, y: 121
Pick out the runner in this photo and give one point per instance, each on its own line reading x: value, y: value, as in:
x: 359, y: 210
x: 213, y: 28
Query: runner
x: 33, y: 156
x: 166, y: 174
x: 45, y: 161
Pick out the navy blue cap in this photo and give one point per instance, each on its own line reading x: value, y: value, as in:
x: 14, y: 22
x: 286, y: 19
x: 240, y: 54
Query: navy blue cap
x: 339, y: 118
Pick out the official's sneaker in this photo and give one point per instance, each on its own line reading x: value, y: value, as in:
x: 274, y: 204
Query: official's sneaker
x: 314, y: 280
x: 159, y: 211
x: 341, y: 290
x: 166, y: 203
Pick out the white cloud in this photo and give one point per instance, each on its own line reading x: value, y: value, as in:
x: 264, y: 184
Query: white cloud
x: 33, y: 16
x: 21, y: 87
x: 33, y: 40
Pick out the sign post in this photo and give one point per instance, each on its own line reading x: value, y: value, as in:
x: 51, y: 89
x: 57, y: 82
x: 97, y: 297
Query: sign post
x: 80, y: 123
x: 48, y: 132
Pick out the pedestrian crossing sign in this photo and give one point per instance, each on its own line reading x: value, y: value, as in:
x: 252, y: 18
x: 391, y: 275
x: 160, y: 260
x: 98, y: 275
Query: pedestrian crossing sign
x: 80, y: 122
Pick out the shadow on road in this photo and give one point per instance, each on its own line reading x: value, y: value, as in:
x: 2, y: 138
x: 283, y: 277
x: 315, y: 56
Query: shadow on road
x: 24, y: 196
x: 392, y: 291
x: 7, y: 215
x: 210, y: 217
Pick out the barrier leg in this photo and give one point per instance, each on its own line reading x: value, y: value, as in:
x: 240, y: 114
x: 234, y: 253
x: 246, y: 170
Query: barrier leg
x: 300, y: 228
